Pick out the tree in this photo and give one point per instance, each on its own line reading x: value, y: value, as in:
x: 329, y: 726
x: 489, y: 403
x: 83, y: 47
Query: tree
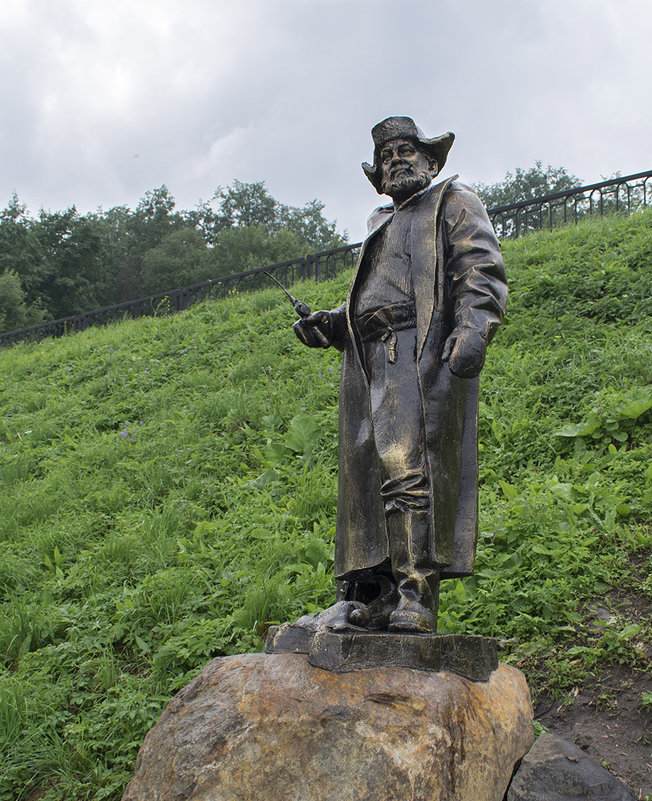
x: 12, y: 302
x: 71, y: 263
x: 179, y: 260
x: 14, y: 311
x: 242, y: 205
x: 526, y: 185
x: 121, y: 256
x: 260, y: 230
x: 73, y: 278
x: 247, y: 247
x: 20, y: 249
x: 126, y: 239
x: 154, y: 218
x: 310, y: 225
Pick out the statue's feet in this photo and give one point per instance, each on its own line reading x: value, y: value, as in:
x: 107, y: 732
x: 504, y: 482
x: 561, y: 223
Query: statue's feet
x: 381, y: 608
x: 411, y: 616
x: 341, y: 616
x: 379, y: 596
x: 359, y: 616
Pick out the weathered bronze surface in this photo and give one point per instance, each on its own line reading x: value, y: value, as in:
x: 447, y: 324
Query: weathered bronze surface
x: 427, y: 296
x: 473, y: 657
x: 343, y: 651
x: 289, y: 638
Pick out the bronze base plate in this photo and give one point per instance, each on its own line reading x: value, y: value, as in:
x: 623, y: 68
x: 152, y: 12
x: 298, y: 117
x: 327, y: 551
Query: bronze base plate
x: 473, y: 657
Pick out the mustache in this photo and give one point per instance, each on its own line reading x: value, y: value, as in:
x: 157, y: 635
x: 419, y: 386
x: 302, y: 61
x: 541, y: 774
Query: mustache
x: 401, y: 167
x: 402, y: 180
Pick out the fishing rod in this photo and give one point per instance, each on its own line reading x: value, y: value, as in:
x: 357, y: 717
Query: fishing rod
x: 301, y: 308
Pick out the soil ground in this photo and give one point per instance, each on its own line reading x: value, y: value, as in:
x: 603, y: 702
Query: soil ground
x: 607, y: 721
x: 606, y: 715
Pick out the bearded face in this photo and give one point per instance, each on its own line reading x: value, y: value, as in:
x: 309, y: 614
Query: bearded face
x: 405, y: 169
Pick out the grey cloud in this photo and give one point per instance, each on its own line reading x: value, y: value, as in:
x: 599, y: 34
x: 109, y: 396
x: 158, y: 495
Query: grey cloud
x: 104, y: 101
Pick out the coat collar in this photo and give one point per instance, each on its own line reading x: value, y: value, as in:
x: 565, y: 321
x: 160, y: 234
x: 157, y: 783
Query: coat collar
x: 425, y: 281
x: 383, y: 214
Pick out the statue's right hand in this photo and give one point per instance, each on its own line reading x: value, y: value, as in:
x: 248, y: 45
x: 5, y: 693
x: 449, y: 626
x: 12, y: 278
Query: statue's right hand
x: 315, y: 330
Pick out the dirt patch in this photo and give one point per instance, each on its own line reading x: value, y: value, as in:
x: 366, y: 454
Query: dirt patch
x: 606, y: 719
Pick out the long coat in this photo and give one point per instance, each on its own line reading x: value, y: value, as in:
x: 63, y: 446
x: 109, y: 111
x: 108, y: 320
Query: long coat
x: 459, y: 282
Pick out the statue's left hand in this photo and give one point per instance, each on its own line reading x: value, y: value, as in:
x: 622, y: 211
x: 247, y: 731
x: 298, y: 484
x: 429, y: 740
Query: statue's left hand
x: 465, y: 351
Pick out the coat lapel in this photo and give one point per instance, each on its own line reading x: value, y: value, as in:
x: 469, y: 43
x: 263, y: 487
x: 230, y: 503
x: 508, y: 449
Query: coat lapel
x: 378, y: 220
x: 425, y: 275
x: 424, y: 259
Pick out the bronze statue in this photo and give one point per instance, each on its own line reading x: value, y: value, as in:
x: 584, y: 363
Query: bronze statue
x: 427, y: 296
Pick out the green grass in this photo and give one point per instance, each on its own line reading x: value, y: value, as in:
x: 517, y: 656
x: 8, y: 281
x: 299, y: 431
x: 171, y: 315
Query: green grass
x: 168, y: 489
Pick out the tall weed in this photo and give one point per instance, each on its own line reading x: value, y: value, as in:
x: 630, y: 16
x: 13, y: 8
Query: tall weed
x: 168, y: 491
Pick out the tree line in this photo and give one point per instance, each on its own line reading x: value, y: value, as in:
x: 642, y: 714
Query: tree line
x: 522, y: 184
x: 61, y: 263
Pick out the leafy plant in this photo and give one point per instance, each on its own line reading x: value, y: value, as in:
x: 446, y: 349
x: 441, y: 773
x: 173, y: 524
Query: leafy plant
x: 131, y: 553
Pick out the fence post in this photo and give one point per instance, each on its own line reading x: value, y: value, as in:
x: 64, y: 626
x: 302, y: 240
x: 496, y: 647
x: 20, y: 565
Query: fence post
x: 310, y: 261
x: 508, y: 221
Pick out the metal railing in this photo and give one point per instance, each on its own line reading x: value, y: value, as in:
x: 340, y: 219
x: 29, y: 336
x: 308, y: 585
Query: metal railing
x: 318, y: 266
x: 623, y: 194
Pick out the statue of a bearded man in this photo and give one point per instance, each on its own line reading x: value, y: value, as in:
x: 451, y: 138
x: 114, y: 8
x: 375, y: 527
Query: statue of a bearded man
x: 426, y: 298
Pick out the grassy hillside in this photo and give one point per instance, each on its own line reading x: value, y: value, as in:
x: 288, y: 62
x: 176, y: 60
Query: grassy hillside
x: 168, y: 489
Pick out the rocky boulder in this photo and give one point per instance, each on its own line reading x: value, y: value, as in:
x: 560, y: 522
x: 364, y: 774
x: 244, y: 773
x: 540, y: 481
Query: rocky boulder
x: 272, y: 727
x: 556, y: 770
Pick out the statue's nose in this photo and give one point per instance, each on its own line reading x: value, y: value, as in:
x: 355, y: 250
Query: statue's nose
x: 398, y: 162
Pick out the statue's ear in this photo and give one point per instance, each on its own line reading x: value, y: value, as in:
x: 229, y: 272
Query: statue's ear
x: 434, y: 166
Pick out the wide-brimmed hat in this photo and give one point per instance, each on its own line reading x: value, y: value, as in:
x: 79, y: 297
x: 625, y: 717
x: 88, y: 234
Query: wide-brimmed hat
x: 404, y: 128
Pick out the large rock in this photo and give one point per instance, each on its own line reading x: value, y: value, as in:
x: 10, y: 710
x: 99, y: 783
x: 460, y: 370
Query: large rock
x: 273, y: 727
x: 556, y: 770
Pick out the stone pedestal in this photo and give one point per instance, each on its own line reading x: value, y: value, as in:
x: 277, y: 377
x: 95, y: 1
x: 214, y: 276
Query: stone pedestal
x: 342, y: 651
x: 272, y: 727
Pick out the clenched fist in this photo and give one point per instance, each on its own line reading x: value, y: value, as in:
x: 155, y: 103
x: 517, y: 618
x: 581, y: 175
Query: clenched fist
x: 465, y: 351
x: 315, y: 330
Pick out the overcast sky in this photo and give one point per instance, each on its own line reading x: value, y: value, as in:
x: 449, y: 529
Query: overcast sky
x: 102, y: 100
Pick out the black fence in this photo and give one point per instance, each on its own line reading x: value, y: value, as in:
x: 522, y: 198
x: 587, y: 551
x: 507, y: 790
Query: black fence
x: 318, y: 266
x: 618, y: 195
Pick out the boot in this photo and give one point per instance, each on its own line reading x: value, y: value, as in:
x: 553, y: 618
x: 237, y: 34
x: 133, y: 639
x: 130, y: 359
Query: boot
x: 380, y: 607
x: 377, y: 597
x: 415, y: 573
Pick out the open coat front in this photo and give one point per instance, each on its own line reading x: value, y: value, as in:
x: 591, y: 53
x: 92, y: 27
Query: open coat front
x: 459, y: 282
